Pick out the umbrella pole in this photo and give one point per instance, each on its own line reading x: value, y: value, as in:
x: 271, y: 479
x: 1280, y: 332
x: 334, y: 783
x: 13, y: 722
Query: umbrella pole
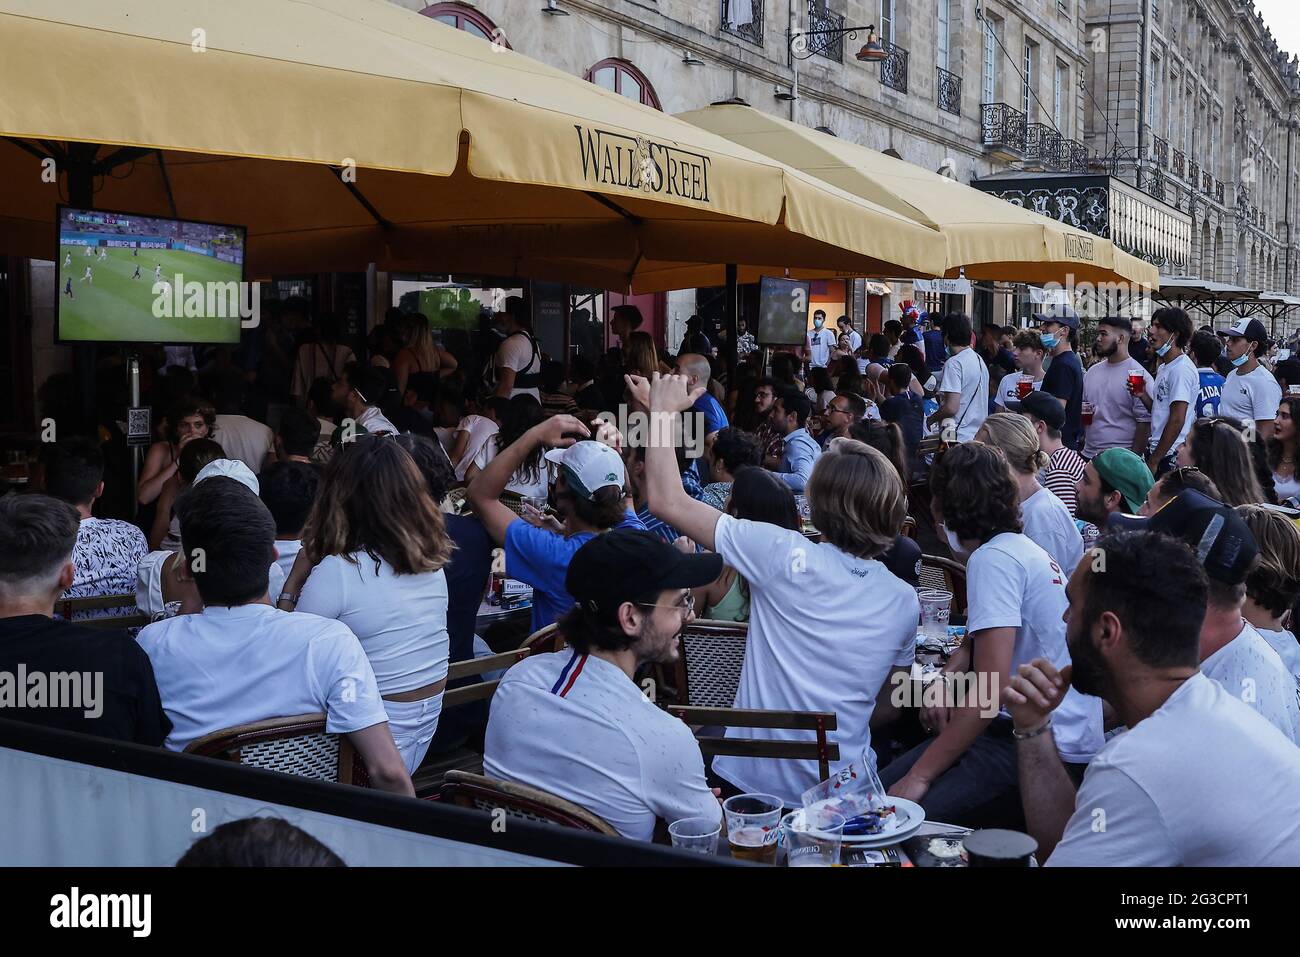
x: 731, y: 313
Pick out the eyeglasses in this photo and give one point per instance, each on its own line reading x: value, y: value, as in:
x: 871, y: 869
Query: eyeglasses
x: 685, y: 607
x: 836, y: 408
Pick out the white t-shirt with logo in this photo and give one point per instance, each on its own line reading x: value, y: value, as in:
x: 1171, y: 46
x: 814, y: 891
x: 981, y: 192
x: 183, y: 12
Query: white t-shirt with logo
x: 1176, y: 381
x: 1013, y: 583
x: 1202, y: 782
x: 966, y: 374
x: 516, y: 352
x: 825, y: 632
x: 480, y: 429
x: 1048, y: 522
x: 820, y: 342
x: 231, y: 666
x: 1253, y: 397
x: 578, y: 727
x: 1251, y: 670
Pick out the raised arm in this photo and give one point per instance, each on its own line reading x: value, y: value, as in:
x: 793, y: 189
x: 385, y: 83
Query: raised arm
x: 486, y: 487
x: 668, y: 396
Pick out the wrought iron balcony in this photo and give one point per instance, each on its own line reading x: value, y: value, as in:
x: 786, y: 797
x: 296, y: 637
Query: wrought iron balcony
x: 1156, y: 184
x: 829, y: 21
x: 1159, y: 152
x: 893, y: 68
x: 1218, y: 191
x: 1002, y: 127
x: 1207, y: 183
x: 1043, y: 143
x: 1078, y: 156
x: 949, y: 91
x: 1193, y: 174
x: 1179, y: 163
x: 733, y: 21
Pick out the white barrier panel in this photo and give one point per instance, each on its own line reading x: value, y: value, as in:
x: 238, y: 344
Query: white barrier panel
x: 61, y: 813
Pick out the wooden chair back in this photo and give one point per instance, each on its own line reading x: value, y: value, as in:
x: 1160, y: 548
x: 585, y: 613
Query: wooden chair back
x: 819, y: 722
x: 296, y: 745
x: 519, y: 801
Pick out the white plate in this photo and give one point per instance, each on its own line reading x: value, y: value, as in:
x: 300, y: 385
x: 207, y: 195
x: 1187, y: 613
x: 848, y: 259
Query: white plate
x: 907, y: 817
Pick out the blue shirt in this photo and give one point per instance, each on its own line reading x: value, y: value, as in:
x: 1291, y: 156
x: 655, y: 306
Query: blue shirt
x: 798, y: 459
x: 655, y: 527
x: 714, y: 417
x: 1207, y: 400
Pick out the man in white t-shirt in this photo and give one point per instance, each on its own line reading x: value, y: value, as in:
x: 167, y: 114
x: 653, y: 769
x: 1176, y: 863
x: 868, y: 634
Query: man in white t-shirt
x: 964, y: 387
x: 819, y: 342
x: 830, y: 627
x: 241, y: 660
x: 966, y: 774
x: 1250, y: 393
x: 1144, y: 801
x: 1030, y: 353
x: 518, y: 360
x: 576, y: 724
x: 1173, y: 405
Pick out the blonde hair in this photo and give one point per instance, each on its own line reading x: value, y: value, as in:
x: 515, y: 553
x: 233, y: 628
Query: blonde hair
x: 1274, y: 582
x: 1015, y: 435
x: 418, y: 338
x: 857, y: 499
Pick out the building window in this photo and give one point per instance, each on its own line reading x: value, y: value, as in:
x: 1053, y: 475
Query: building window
x: 1060, y: 95
x: 945, y: 34
x: 625, y: 80
x: 888, y: 22
x: 1154, y: 98
x: 990, y: 73
x: 466, y: 18
x: 1030, y: 71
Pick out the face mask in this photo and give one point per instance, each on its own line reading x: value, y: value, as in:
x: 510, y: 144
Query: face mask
x: 818, y: 323
x: 953, y: 542
x: 1164, y: 350
x: 1049, y: 340
x: 1240, y: 360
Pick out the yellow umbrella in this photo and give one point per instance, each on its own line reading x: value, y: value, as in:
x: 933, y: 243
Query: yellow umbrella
x: 342, y: 132
x: 989, y: 237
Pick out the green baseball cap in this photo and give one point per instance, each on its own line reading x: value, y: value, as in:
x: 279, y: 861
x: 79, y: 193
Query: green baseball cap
x: 1125, y: 472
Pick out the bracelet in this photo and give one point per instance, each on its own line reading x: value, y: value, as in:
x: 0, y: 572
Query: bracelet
x: 1026, y: 735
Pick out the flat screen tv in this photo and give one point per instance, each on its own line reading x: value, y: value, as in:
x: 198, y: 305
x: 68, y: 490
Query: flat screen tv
x: 782, y: 311
x: 129, y: 278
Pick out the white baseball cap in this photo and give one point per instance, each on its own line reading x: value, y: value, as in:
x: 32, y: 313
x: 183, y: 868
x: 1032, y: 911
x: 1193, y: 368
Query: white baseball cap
x: 589, y: 466
x: 229, y: 468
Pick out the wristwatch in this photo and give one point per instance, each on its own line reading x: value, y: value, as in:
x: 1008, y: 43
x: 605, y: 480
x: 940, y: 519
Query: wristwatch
x: 291, y: 598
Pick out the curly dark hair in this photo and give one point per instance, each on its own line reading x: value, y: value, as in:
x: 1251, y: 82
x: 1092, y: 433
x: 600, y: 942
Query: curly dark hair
x: 736, y: 448
x: 1276, y: 450
x: 974, y: 492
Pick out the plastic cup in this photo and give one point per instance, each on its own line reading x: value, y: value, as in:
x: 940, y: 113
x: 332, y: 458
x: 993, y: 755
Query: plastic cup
x: 753, y: 826
x: 812, y: 837
x: 699, y: 835
x: 1085, y: 414
x: 936, y: 606
x: 1137, y: 383
x: 1024, y: 386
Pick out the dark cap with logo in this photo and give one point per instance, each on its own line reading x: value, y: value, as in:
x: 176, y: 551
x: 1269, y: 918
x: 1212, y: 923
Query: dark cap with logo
x: 1055, y: 312
x: 631, y: 565
x: 1252, y: 330
x: 1216, y: 533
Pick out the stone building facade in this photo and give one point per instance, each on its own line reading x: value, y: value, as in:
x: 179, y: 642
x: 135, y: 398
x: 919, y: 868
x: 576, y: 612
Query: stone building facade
x: 1194, y: 102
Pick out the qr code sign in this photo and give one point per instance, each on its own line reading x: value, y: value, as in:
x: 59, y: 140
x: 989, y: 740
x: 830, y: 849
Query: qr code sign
x: 138, y: 430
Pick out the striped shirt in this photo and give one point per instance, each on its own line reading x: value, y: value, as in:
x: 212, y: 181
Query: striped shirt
x: 1064, y: 469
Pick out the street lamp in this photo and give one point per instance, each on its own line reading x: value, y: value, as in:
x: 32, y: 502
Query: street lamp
x: 801, y: 47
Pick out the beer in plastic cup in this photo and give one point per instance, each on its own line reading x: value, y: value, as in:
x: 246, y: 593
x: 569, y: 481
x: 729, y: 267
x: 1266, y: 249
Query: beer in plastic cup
x: 1024, y: 386
x: 1085, y: 414
x: 1137, y: 382
x: 753, y: 826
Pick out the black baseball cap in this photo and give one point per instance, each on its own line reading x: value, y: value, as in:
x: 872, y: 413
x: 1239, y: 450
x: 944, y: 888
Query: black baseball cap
x: 1222, y: 541
x: 1251, y: 329
x: 1056, y: 312
x: 631, y: 565
x: 1044, y: 406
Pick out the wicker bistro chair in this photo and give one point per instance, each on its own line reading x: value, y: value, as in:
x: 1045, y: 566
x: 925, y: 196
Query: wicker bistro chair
x: 707, y: 673
x: 519, y: 801
x: 296, y: 745
x: 946, y: 575
x: 820, y: 750
x: 67, y: 609
x: 543, y: 640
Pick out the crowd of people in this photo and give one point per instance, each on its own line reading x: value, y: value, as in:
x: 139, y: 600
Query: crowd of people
x: 1127, y: 527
